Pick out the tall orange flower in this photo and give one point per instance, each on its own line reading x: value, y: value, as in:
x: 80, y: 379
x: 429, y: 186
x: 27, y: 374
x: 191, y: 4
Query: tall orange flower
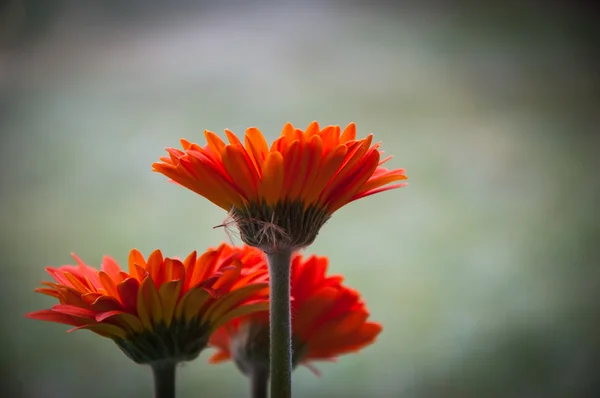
x: 281, y: 196
x: 162, y: 309
x: 329, y: 319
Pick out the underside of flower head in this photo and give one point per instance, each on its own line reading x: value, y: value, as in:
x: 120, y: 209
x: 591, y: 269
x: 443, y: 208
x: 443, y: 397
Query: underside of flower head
x: 163, y: 308
x: 281, y: 195
x: 282, y: 226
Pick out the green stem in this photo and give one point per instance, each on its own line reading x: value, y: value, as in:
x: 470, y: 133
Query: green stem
x: 258, y: 383
x: 164, y: 379
x: 280, y: 321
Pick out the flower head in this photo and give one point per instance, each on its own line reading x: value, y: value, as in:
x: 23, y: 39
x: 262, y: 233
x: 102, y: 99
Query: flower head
x: 281, y: 196
x: 162, y: 309
x: 328, y: 320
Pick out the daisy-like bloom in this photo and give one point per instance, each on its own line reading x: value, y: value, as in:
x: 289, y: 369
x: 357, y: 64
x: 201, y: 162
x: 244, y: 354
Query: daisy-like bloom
x: 281, y: 196
x: 162, y: 309
x: 329, y: 319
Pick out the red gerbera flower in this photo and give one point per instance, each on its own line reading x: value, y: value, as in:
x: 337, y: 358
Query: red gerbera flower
x: 328, y: 320
x: 162, y: 309
x: 282, y: 195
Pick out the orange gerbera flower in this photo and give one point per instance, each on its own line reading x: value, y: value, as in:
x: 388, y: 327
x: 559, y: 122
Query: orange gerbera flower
x: 163, y: 309
x: 280, y: 197
x: 329, y: 319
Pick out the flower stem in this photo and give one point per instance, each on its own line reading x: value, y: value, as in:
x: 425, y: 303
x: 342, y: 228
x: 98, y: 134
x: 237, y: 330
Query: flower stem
x: 280, y: 321
x: 258, y: 383
x: 164, y: 379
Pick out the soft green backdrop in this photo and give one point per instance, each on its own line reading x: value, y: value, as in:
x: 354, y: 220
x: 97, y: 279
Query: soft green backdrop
x: 483, y: 271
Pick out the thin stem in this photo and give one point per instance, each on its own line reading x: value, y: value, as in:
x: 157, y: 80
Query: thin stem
x: 280, y: 320
x: 258, y: 383
x: 164, y: 379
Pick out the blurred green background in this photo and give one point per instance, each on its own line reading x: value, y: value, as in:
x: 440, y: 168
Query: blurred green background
x: 483, y: 271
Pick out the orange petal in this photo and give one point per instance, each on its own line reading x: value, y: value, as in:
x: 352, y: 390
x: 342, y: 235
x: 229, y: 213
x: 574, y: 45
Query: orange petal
x: 106, y: 303
x: 59, y: 276
x: 128, y: 292
x: 377, y: 190
x: 233, y: 139
x: 91, y: 297
x: 230, y: 276
x: 338, y: 328
x: 185, y: 144
x: 287, y: 130
x: 310, y: 310
x: 191, y: 305
x: 189, y: 261
x: 384, y: 179
x: 349, y: 133
x: 169, y: 295
x: 215, y: 143
x: 89, y: 274
x: 314, y: 151
x: 110, y: 267
x: 218, y: 357
x: 154, y: 266
x: 230, y: 300
x: 73, y: 311
x: 70, y: 296
x: 203, y: 266
x: 221, y: 318
x: 305, y: 154
x: 273, y: 175
x: 172, y: 270
x: 257, y: 147
x: 346, y: 343
x: 353, y: 183
x: 130, y: 323
x: 241, y: 171
x: 312, y: 129
x: 206, y: 181
x: 47, y: 291
x: 149, y: 306
x: 330, y: 136
x: 330, y: 165
x: 291, y: 163
x: 135, y: 257
x: 53, y: 316
x: 354, y: 160
x: 306, y: 275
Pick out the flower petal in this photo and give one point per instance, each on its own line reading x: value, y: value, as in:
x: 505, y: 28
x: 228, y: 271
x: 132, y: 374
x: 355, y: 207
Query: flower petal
x: 169, y: 295
x: 149, y: 306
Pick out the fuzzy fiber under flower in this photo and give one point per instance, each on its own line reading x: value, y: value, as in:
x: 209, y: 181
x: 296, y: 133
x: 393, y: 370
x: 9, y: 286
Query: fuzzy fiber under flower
x: 328, y: 320
x: 281, y: 196
x: 162, y: 308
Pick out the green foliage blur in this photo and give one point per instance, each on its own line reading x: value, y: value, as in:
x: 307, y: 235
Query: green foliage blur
x: 483, y: 271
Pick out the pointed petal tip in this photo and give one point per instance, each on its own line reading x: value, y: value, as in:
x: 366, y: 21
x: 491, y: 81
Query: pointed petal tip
x: 313, y: 369
x: 30, y: 315
x: 219, y: 357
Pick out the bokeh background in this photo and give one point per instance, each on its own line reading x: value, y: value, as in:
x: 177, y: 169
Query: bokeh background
x: 484, y: 270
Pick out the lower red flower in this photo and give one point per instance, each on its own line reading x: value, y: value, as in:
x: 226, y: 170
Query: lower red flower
x: 162, y: 308
x: 328, y: 320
